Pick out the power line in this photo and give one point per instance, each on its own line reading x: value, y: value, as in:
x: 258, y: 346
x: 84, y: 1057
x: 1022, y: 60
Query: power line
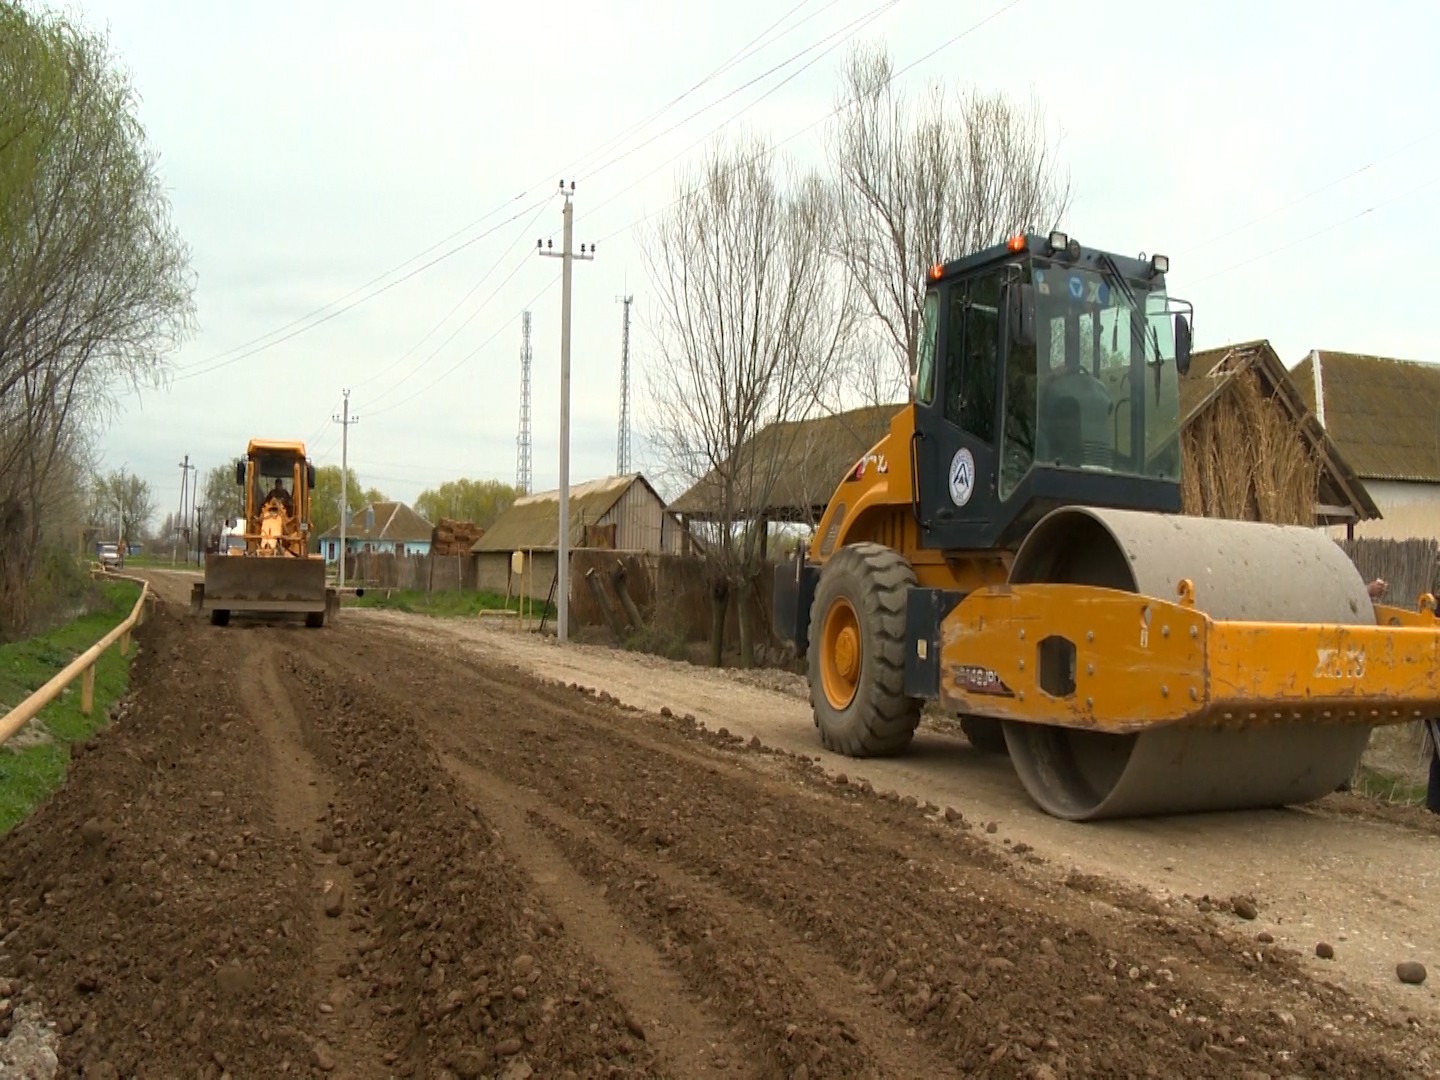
x: 468, y: 356
x: 848, y: 30
x: 1311, y: 194
x: 469, y: 293
x: 947, y: 43
x: 1318, y: 232
x: 260, y: 343
x: 195, y: 373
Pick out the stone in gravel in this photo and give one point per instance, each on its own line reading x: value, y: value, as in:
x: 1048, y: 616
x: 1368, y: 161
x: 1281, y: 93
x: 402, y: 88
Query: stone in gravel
x: 212, y: 857
x: 991, y: 827
x: 321, y: 1057
x: 519, y: 993
x: 92, y: 832
x: 635, y: 1027
x: 1265, y: 937
x: 508, y: 1047
x: 523, y: 963
x: 335, y: 901
x: 888, y: 979
x: 665, y: 712
x: 755, y: 743
x: 951, y: 814
x: 327, y: 841
x: 1325, y: 951
x: 1244, y: 906
x: 1410, y: 972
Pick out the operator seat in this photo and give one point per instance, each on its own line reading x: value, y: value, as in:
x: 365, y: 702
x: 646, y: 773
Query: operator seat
x: 1074, y: 421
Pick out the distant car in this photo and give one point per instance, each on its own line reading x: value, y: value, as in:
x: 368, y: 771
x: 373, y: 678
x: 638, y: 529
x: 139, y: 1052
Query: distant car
x: 110, y: 557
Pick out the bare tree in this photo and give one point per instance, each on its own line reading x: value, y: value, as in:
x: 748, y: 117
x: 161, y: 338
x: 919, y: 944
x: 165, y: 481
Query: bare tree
x: 751, y: 324
x: 123, y: 506
x: 919, y: 185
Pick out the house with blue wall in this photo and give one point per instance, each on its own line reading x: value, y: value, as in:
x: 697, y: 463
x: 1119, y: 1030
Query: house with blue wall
x: 382, y: 527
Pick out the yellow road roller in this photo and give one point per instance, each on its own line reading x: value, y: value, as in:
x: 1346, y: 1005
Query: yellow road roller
x: 1013, y: 549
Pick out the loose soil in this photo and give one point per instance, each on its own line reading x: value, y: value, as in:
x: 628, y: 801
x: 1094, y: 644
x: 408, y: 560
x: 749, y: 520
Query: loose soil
x: 381, y: 849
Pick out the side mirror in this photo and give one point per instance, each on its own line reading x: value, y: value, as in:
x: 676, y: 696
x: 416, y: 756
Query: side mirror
x: 240, y: 472
x: 1182, y: 344
x: 310, y: 475
x: 1020, y: 314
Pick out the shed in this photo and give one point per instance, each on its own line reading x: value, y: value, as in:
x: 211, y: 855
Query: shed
x: 625, y: 513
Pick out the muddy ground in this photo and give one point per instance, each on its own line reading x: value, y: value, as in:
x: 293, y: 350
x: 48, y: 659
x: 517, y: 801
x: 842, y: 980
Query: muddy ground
x: 357, y: 852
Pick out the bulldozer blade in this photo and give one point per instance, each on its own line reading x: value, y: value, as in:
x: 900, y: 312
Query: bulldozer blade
x: 264, y: 584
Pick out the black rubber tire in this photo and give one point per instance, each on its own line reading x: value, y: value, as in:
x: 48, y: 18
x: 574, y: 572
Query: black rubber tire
x: 315, y: 619
x: 985, y: 735
x: 880, y: 719
x: 219, y: 617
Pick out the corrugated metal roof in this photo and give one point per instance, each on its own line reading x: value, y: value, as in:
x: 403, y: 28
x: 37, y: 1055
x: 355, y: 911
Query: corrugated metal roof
x: 533, y: 521
x: 392, y: 521
x: 1383, y: 413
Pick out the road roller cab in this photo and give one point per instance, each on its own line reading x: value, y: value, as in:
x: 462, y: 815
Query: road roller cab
x: 1013, y: 549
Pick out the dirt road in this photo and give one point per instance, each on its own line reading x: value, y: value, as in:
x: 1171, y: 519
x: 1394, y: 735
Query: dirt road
x: 384, y: 849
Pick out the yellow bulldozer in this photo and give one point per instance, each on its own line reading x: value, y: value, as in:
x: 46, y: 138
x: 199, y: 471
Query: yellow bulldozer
x: 1013, y: 550
x: 273, y: 573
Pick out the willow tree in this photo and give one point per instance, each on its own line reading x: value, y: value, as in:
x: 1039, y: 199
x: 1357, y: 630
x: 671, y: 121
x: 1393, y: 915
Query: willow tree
x: 750, y: 327
x: 94, y: 283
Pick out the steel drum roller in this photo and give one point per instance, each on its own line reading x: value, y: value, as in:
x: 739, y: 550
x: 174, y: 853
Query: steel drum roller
x: 1242, y: 571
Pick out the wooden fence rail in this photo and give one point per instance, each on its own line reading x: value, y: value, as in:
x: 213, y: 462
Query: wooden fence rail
x: 82, y: 665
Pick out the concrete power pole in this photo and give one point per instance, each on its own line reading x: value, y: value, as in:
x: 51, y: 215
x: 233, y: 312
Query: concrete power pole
x: 622, y: 451
x: 567, y: 256
x: 180, y: 518
x: 344, y: 420
x: 522, y: 441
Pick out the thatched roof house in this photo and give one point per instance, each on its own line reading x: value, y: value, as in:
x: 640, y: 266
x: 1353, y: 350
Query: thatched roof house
x: 1254, y: 450
x: 1251, y: 449
x: 805, y: 460
x: 1384, y: 415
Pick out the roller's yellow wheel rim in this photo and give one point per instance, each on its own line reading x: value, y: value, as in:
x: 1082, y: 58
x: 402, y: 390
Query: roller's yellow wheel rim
x: 840, y: 654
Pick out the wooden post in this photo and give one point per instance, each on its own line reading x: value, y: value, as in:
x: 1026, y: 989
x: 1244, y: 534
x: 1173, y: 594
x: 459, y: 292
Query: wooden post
x: 618, y: 577
x: 602, y: 601
x: 87, y: 690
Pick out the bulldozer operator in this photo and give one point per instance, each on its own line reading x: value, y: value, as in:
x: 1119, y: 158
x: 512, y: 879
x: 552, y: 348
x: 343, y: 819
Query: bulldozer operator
x: 280, y: 495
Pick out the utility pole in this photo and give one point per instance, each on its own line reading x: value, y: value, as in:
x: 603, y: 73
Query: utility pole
x: 622, y: 452
x: 522, y: 441
x: 185, y: 470
x: 567, y: 256
x: 344, y: 420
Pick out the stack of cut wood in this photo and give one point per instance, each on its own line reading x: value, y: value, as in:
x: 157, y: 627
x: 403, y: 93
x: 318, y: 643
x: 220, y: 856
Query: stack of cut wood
x: 454, y: 537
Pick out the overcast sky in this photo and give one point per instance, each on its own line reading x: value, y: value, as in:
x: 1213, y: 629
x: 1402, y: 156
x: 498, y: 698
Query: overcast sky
x: 1283, y: 154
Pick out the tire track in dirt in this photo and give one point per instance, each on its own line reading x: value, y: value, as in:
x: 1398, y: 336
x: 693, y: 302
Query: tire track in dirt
x: 984, y: 976
x: 683, y: 1032
x: 303, y: 797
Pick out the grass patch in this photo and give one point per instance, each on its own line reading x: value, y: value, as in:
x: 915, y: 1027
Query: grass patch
x: 446, y: 604
x: 31, y: 769
x: 1377, y: 784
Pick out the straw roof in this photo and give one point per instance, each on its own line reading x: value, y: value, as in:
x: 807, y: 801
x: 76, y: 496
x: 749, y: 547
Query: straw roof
x: 391, y: 522
x: 533, y: 521
x: 809, y: 456
x: 1342, y: 494
x: 1383, y: 413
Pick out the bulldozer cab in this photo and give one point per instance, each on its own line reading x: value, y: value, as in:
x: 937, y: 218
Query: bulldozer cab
x: 278, y: 480
x: 1047, y: 374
